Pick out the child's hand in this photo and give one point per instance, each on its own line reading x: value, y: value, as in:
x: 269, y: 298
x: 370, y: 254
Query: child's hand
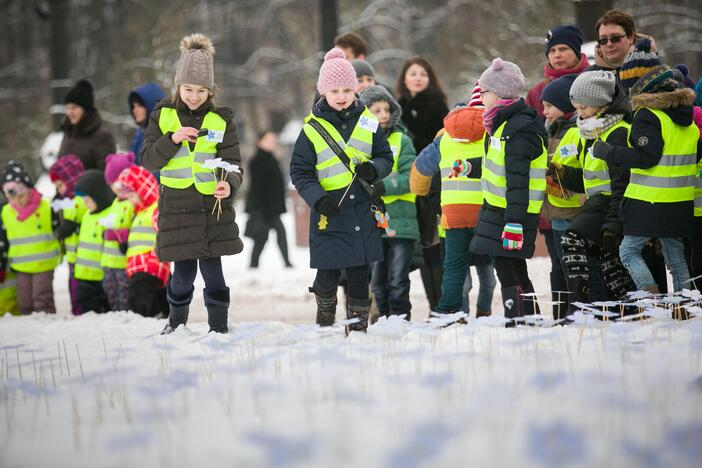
x: 223, y: 189
x: 184, y: 133
x: 512, y: 236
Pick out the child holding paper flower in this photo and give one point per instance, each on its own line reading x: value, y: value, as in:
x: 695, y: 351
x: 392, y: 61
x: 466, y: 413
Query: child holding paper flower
x: 192, y: 231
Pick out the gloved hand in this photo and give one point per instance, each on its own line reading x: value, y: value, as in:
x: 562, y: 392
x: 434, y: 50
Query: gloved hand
x: 600, y: 149
x: 66, y: 229
x: 512, y: 236
x: 366, y: 171
x: 328, y: 207
x: 378, y: 189
x: 610, y: 242
x: 554, y: 167
x: 119, y: 235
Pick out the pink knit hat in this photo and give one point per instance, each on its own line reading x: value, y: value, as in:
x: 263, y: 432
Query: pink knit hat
x: 115, y: 164
x: 502, y: 78
x: 336, y: 72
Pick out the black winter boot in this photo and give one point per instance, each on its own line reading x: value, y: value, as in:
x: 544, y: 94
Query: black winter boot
x: 357, y: 308
x: 217, y: 303
x: 326, y: 308
x: 512, y: 301
x: 178, y: 308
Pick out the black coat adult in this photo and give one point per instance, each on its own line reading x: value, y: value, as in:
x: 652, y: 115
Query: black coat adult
x: 600, y: 213
x: 266, y: 195
x: 88, y: 139
x: 187, y: 228
x: 525, y: 137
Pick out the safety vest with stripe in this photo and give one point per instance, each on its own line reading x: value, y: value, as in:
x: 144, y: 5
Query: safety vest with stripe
x: 698, y: 191
x: 90, y: 242
x: 459, y: 189
x: 33, y: 246
x: 142, y: 235
x: 673, y: 178
x: 395, y: 142
x: 74, y: 214
x: 331, y: 172
x: 185, y: 167
x: 494, y: 179
x: 112, y: 256
x: 566, y: 154
x: 595, y: 171
x: 8, y: 295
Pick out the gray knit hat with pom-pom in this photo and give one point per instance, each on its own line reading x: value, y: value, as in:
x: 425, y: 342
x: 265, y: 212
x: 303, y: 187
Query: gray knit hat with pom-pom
x: 195, y: 65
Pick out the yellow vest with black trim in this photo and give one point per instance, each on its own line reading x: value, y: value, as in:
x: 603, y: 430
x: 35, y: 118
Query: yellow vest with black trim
x: 331, y: 172
x: 33, y: 246
x: 595, y: 171
x: 74, y: 214
x: 698, y: 191
x: 494, y: 179
x: 185, y: 167
x: 88, y: 266
x: 395, y: 143
x: 566, y: 154
x: 672, y: 180
x: 461, y: 190
x: 8, y: 295
x: 112, y: 256
x: 142, y: 235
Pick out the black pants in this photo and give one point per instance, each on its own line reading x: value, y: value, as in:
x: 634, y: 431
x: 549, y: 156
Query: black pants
x: 327, y: 281
x: 260, y: 241
x: 512, y: 272
x: 91, y: 297
x: 147, y: 296
x: 432, y: 273
x: 184, y: 272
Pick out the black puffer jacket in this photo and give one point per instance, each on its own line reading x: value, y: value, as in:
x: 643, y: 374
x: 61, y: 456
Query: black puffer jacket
x: 600, y: 213
x: 525, y: 137
x: 187, y: 228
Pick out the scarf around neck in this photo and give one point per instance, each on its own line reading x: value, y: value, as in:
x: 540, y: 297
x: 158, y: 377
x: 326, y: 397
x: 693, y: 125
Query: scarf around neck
x: 24, y: 212
x: 592, y: 127
x: 489, y: 114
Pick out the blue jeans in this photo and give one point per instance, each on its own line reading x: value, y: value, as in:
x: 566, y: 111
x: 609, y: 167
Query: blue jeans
x: 673, y: 253
x: 486, y: 278
x: 390, y: 282
x: 456, y: 263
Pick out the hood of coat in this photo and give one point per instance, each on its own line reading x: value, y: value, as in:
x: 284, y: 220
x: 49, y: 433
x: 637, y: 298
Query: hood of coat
x: 148, y: 95
x: 677, y: 104
x: 373, y: 94
x: 465, y: 123
x: 559, y: 127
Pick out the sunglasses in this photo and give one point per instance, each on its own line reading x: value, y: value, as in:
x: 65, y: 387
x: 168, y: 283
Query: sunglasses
x: 613, y: 39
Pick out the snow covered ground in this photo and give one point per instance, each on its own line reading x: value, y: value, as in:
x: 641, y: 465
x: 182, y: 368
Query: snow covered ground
x: 277, y: 391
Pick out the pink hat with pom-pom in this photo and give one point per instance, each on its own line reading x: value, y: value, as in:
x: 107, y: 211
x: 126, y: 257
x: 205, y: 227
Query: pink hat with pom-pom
x: 336, y: 72
x: 115, y: 164
x: 502, y: 78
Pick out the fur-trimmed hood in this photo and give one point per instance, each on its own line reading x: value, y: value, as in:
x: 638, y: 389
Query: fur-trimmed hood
x: 677, y: 104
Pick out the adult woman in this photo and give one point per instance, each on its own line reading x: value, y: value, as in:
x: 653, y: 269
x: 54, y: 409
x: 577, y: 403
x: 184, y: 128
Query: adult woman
x: 616, y: 38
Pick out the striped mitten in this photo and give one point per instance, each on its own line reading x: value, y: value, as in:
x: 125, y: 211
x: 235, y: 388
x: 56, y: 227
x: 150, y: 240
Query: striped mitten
x: 512, y: 236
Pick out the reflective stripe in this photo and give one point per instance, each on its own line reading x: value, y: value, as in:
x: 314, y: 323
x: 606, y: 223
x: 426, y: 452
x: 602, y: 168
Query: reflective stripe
x: 112, y: 251
x: 203, y: 157
x: 596, y: 175
x: 534, y: 195
x: 674, y: 160
x: 492, y: 166
x: 202, y: 177
x: 472, y: 185
x: 361, y: 146
x: 8, y: 284
x: 331, y: 171
x: 32, y: 239
x: 70, y: 248
x: 35, y: 257
x: 142, y: 229
x: 605, y: 188
x: 87, y: 263
x: 184, y: 173
x: 141, y: 243
x: 88, y: 246
x: 662, y: 182
x: 182, y: 152
x: 325, y: 155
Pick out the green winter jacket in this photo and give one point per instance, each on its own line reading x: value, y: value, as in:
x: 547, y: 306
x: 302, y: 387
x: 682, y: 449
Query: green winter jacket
x: 403, y: 214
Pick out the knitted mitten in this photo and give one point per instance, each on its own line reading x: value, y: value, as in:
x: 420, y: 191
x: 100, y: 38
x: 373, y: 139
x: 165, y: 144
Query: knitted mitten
x: 512, y: 236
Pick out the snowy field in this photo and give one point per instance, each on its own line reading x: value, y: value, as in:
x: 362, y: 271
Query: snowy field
x: 277, y: 391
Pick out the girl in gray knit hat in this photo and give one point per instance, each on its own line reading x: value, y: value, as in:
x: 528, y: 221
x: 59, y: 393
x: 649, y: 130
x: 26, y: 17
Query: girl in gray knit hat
x: 196, y: 213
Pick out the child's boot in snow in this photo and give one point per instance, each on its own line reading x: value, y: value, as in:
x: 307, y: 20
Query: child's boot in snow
x: 217, y: 303
x: 178, y: 308
x: 326, y: 308
x: 357, y: 309
x: 512, y: 301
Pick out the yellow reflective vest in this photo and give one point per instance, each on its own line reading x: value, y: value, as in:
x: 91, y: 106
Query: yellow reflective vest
x: 458, y: 188
x: 89, y: 251
x: 112, y: 256
x: 566, y: 154
x: 142, y: 235
x: 74, y: 214
x: 595, y: 171
x: 33, y: 246
x: 395, y: 143
x: 8, y: 295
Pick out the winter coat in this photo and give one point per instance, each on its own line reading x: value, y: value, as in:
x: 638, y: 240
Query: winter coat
x: 524, y: 136
x: 533, y: 98
x: 89, y: 140
x: 266, y: 195
x: 556, y: 131
x: 187, y: 227
x: 148, y: 95
x: 352, y: 237
x: 600, y: 213
x: 641, y: 218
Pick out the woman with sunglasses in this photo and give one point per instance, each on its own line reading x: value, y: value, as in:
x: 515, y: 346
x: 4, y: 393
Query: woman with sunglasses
x: 616, y: 38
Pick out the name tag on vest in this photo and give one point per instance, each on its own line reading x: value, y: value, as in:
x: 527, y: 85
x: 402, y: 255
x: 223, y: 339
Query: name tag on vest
x: 495, y: 143
x: 368, y: 124
x: 216, y: 136
x: 568, y: 150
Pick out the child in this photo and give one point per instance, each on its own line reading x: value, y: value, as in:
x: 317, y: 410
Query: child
x: 364, y: 74
x: 513, y: 183
x: 659, y: 200
x: 33, y: 252
x: 64, y: 174
x: 148, y: 276
x: 591, y: 241
x: 456, y: 153
x: 390, y: 279
x: 98, y: 198
x: 195, y: 211
x: 343, y: 231
x: 560, y: 206
x: 114, y: 260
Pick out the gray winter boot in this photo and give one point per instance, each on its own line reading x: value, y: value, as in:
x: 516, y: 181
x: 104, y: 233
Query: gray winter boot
x: 357, y: 308
x: 217, y: 303
x: 326, y: 308
x: 178, y: 308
